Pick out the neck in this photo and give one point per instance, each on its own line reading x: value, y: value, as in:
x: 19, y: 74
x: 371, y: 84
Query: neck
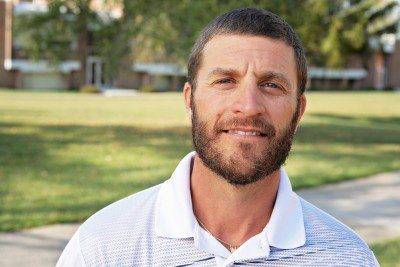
x: 232, y: 213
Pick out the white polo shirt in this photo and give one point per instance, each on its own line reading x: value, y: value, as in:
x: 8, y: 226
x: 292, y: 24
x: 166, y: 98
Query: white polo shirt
x: 157, y: 227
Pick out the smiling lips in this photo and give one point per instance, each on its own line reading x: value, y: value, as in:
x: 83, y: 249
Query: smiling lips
x: 254, y: 133
x: 246, y: 132
x: 249, y: 128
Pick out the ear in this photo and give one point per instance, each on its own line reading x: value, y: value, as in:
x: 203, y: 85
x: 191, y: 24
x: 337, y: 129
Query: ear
x: 187, y: 92
x: 303, y: 104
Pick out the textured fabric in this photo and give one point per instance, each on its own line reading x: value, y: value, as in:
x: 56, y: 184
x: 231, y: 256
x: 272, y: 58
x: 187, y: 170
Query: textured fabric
x: 125, y: 234
x: 174, y: 218
x: 120, y: 240
x: 328, y: 243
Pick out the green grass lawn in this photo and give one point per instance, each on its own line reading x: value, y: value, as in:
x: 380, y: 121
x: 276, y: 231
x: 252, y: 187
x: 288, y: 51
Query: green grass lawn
x: 63, y: 156
x: 387, y: 253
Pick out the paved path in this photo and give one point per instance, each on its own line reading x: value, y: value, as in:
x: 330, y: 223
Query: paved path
x: 370, y: 206
x: 35, y: 247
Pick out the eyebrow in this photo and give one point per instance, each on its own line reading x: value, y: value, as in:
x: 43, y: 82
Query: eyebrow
x: 222, y: 71
x: 278, y: 76
x: 268, y: 75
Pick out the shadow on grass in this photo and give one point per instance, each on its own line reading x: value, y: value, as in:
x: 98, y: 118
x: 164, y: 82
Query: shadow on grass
x: 79, y: 184
x: 340, y: 134
x: 335, y: 131
x: 393, y: 120
x: 29, y: 158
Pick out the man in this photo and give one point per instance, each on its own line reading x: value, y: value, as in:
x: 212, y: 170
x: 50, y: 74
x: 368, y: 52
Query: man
x: 230, y: 202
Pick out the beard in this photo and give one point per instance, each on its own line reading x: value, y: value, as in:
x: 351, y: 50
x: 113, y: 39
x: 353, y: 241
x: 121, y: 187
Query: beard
x: 273, y: 154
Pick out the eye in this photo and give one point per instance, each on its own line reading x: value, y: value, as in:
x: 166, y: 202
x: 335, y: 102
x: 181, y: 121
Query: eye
x: 271, y: 85
x: 224, y: 81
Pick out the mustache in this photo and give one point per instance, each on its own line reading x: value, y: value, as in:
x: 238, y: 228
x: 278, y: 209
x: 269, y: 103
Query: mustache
x: 254, y: 122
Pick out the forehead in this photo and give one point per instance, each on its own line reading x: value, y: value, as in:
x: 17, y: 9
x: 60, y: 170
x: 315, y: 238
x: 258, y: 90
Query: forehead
x: 244, y: 52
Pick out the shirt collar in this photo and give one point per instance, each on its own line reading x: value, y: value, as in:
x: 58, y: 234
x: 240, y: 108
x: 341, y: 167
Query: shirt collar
x: 174, y: 216
x: 285, y: 228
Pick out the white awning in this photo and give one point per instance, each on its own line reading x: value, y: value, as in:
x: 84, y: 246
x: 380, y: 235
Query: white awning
x: 41, y: 66
x: 28, y: 8
x: 324, y: 73
x: 163, y: 69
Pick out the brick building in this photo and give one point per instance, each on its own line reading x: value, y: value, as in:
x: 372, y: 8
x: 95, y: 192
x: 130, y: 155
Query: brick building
x: 17, y: 71
x: 381, y: 71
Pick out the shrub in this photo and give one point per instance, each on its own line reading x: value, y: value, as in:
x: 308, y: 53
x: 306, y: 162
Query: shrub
x: 89, y: 88
x: 147, y: 89
x: 388, y: 88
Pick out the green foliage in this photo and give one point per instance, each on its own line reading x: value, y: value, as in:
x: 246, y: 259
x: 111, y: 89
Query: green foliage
x: 112, y: 44
x: 64, y: 156
x: 331, y: 46
x: 349, y: 29
x: 330, y: 31
x: 171, y: 29
x: 51, y: 34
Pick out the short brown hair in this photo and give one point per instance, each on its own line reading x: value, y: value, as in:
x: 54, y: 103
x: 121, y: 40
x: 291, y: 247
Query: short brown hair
x: 249, y: 21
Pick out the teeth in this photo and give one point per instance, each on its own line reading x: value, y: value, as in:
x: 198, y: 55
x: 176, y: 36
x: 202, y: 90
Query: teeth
x: 243, y: 133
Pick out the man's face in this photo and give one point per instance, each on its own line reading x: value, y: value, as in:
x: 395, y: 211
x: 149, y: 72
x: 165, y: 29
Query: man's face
x: 245, y: 108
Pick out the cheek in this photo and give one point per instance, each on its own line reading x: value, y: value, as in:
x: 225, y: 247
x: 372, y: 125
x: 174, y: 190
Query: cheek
x: 281, y: 113
x: 209, y: 109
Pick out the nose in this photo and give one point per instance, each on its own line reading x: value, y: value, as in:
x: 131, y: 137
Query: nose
x: 248, y: 101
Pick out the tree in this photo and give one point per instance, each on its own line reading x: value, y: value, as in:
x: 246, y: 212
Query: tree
x: 166, y: 30
x: 330, y: 30
x: 171, y: 28
x: 71, y: 29
x: 353, y: 26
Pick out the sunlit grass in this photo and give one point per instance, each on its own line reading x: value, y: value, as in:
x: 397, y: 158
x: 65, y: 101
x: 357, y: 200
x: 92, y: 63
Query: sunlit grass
x: 65, y: 155
x: 387, y: 252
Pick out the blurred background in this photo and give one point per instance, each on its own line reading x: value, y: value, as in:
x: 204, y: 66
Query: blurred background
x: 91, y: 110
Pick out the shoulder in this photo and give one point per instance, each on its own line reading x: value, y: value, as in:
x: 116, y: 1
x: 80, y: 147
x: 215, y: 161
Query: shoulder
x: 332, y: 239
x: 118, y: 228
x: 320, y: 225
x: 125, y: 211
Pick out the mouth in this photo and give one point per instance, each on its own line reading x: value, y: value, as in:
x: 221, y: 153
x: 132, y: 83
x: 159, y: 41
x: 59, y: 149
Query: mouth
x: 245, y: 133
